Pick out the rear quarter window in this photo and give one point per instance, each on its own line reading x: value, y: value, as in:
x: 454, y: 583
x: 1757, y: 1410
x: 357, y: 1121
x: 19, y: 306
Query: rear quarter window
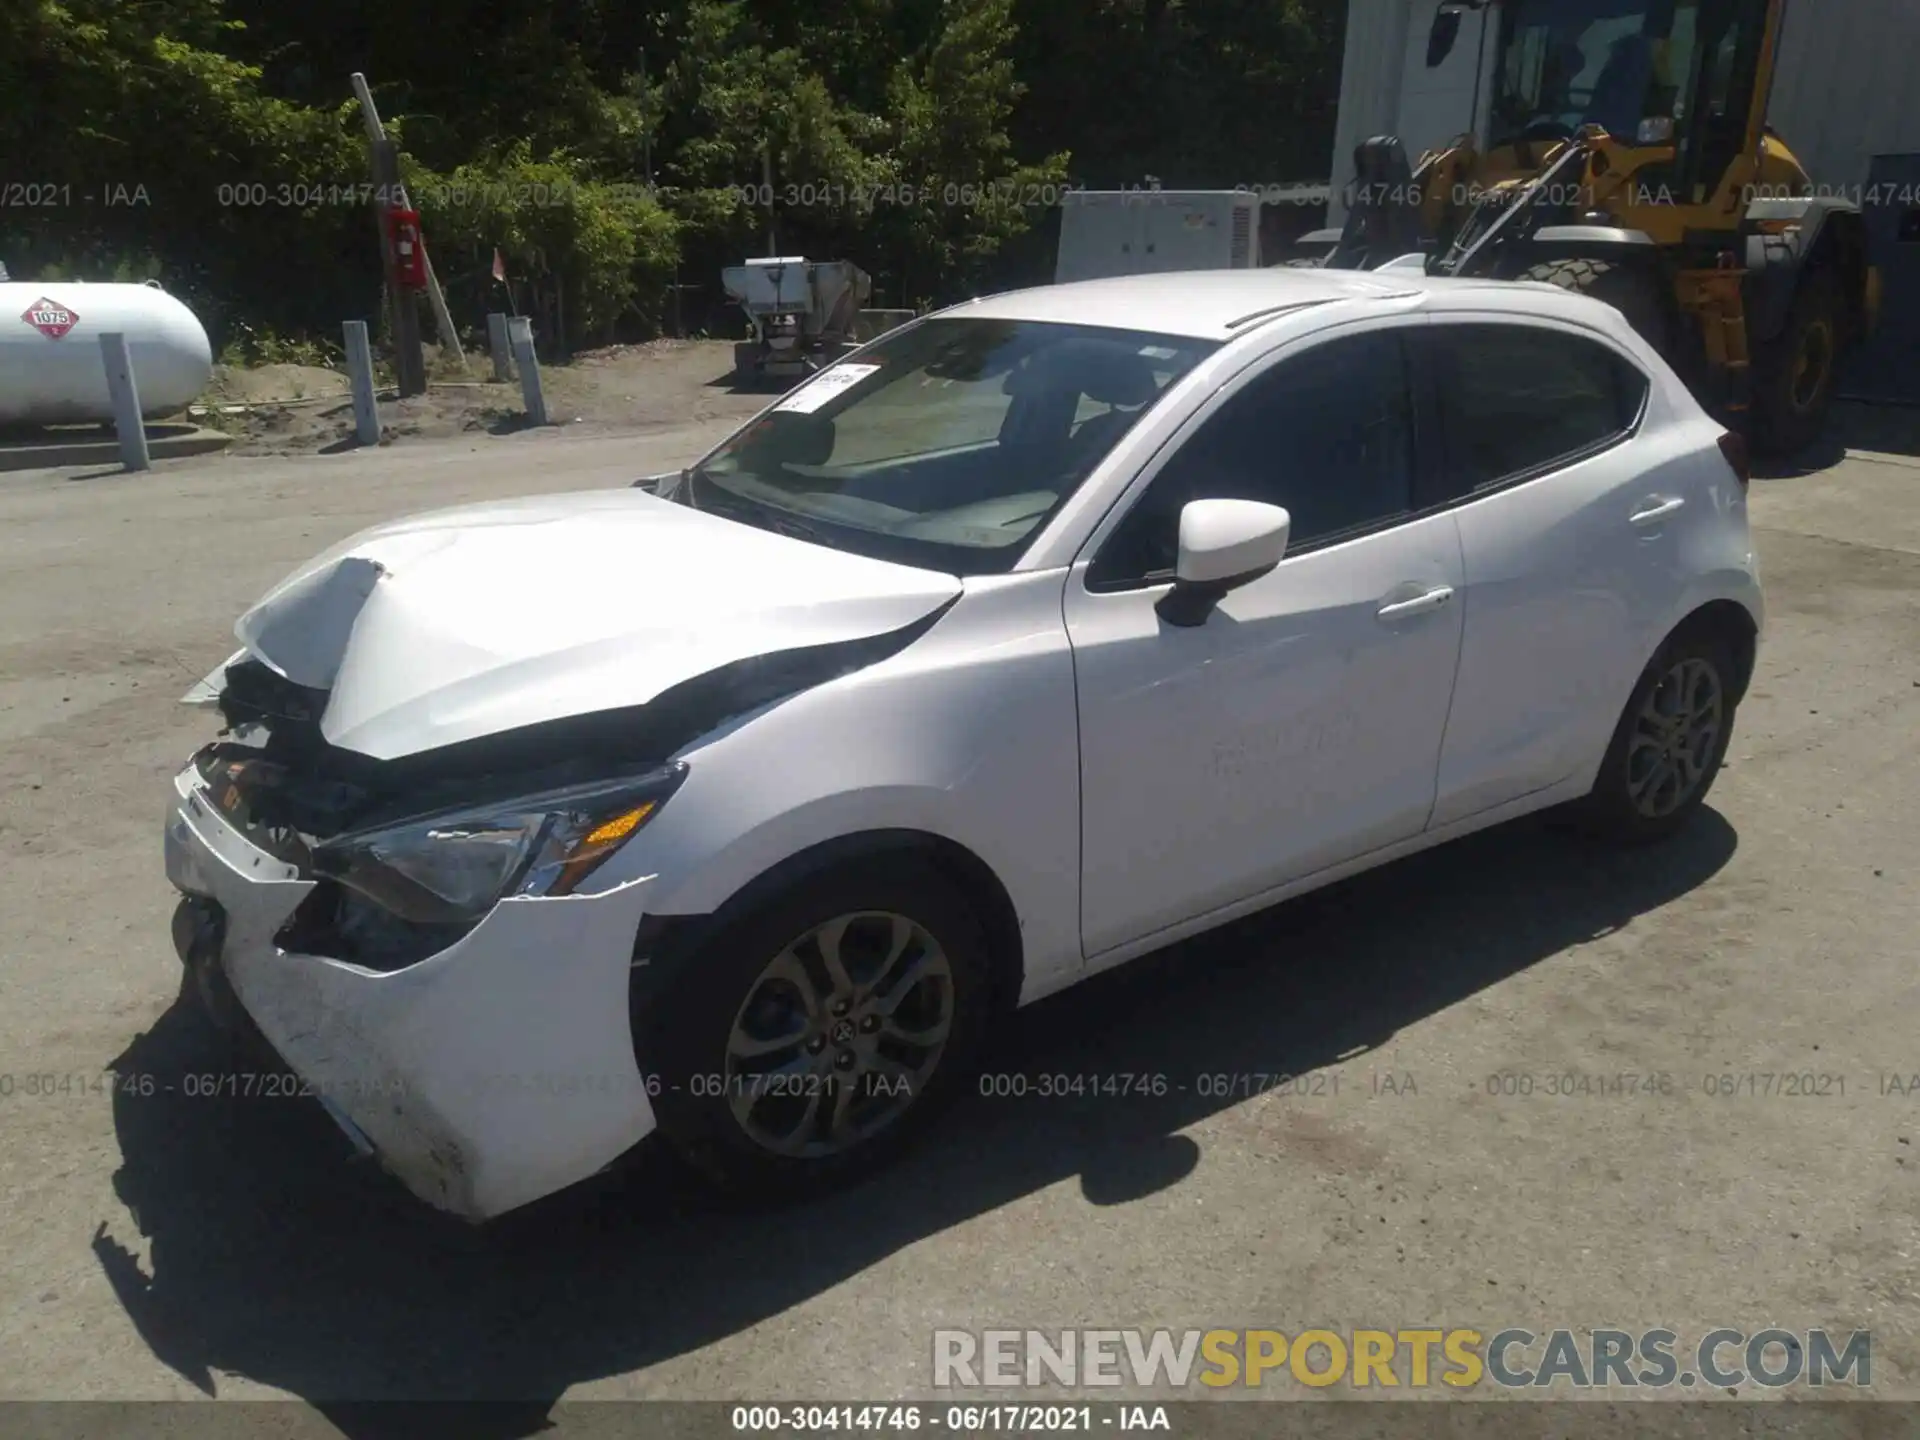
x: 1516, y: 400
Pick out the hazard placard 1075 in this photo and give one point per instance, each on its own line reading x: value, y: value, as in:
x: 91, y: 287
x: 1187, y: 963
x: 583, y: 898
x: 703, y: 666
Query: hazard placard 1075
x: 50, y: 319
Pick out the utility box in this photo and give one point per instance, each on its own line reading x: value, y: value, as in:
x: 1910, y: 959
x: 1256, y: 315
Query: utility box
x: 1145, y: 232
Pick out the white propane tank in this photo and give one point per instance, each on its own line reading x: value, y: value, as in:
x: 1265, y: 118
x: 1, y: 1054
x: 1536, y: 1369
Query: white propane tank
x: 51, y: 370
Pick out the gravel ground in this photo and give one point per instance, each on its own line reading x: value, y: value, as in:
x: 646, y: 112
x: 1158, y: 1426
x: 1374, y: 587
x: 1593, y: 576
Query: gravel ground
x: 169, y: 1246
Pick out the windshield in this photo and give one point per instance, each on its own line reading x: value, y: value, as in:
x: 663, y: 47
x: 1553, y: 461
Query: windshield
x: 1612, y: 63
x: 945, y: 446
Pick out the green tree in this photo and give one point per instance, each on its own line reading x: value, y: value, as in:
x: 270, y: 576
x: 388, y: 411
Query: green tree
x: 910, y: 136
x: 165, y: 156
x: 948, y: 111
x: 583, y: 254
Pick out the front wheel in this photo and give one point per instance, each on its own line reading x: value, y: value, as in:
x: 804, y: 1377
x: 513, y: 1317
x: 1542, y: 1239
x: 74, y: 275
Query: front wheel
x: 811, y: 1039
x: 1668, y: 746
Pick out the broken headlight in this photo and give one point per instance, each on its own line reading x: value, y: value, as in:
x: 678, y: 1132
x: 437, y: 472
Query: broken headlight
x: 453, y: 866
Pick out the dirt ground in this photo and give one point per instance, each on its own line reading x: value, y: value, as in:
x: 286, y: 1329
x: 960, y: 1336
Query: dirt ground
x: 303, y: 410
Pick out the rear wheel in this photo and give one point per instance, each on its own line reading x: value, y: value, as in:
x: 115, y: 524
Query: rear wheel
x: 1668, y: 746
x: 1629, y: 289
x: 813, y: 1037
x: 1793, y: 376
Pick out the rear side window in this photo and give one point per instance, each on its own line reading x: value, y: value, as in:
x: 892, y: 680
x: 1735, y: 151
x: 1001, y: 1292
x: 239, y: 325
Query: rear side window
x: 1515, y: 399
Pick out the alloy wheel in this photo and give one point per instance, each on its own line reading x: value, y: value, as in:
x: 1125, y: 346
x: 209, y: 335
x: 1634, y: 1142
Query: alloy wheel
x: 1675, y: 738
x: 839, y: 1034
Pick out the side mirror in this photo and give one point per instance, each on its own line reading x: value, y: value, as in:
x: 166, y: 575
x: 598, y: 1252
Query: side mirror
x: 1224, y: 544
x: 1443, y: 37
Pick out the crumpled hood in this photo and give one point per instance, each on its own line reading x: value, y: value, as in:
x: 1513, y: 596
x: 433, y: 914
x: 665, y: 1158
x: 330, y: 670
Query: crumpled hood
x: 468, y: 622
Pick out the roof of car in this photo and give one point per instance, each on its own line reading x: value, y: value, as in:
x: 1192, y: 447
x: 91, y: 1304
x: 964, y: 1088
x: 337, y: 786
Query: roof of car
x: 1217, y: 304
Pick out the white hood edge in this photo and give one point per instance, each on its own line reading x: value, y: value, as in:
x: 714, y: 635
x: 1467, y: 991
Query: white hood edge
x: 469, y: 622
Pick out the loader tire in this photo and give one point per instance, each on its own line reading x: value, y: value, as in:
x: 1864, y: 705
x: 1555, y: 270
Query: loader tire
x: 1305, y: 263
x: 1628, y: 289
x: 1793, y: 376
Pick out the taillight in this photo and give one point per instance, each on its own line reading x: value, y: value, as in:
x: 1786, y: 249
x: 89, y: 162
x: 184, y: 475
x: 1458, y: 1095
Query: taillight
x: 1734, y: 447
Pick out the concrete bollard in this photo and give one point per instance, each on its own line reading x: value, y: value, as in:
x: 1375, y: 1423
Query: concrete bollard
x: 520, y: 329
x: 501, y: 346
x: 125, y: 394
x: 366, y: 409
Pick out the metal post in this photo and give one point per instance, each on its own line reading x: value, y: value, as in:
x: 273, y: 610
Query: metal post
x: 520, y: 329
x: 126, y: 401
x: 766, y: 182
x: 366, y: 411
x: 377, y: 135
x: 442, y: 317
x: 646, y: 119
x: 500, y: 345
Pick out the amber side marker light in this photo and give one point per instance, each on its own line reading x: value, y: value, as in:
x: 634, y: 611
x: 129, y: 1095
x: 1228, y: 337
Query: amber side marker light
x: 619, y: 827
x: 598, y: 847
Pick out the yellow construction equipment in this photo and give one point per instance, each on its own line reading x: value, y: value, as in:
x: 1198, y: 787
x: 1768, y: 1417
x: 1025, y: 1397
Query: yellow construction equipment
x: 1627, y: 157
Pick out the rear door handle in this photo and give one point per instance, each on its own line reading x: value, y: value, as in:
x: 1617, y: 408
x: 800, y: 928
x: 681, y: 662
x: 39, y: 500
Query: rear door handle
x: 1654, y: 513
x: 1426, y: 604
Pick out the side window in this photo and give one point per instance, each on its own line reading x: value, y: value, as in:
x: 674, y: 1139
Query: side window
x: 1328, y: 434
x: 1515, y: 398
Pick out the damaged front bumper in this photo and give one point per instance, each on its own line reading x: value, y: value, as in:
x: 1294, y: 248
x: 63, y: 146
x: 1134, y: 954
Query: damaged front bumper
x: 485, y: 1076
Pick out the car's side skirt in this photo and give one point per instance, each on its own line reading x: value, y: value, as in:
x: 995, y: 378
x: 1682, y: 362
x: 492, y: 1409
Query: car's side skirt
x: 1538, y: 800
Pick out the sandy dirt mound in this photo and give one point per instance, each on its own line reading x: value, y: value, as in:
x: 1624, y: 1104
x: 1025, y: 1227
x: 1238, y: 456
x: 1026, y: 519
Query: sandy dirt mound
x: 275, y: 382
x: 295, y: 409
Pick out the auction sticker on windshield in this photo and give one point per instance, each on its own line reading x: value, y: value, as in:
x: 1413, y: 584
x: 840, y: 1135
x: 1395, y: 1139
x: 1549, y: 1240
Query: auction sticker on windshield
x: 824, y: 387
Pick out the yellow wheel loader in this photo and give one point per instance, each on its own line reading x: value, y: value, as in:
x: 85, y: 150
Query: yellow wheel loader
x: 1627, y: 157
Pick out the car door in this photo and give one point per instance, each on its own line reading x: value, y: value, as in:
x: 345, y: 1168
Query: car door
x: 1568, y: 518
x: 1300, y: 724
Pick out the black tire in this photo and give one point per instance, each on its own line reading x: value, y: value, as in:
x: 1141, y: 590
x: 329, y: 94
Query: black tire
x: 683, y: 1042
x: 1305, y: 263
x: 1629, y: 289
x: 1791, y: 403
x: 1610, y: 810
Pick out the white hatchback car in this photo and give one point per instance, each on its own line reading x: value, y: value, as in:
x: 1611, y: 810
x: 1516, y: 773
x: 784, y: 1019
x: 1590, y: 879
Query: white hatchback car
x: 1038, y: 634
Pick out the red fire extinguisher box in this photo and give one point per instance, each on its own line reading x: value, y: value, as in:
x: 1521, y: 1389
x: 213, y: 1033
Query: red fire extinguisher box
x: 410, y: 253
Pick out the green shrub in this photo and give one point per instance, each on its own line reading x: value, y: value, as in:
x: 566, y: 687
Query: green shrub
x: 581, y: 253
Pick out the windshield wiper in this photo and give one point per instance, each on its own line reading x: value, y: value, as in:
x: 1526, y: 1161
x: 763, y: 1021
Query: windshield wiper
x: 710, y: 495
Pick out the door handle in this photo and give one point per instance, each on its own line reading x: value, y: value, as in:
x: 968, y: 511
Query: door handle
x: 1426, y: 604
x: 1656, y: 512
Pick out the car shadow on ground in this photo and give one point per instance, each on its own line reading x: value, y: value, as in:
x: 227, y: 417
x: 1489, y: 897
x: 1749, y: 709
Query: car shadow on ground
x: 269, y: 1258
